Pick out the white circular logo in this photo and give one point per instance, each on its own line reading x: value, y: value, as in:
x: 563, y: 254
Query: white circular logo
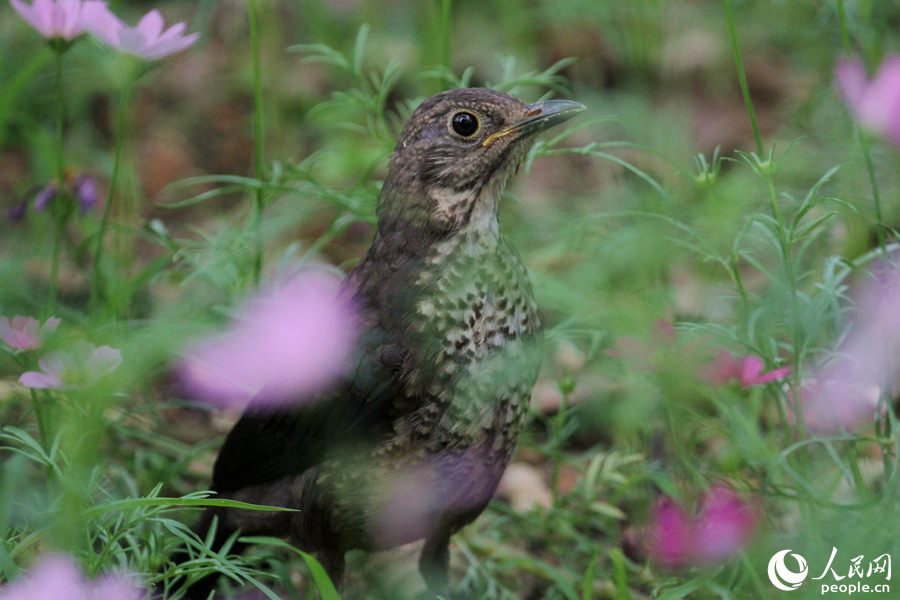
x: 782, y: 577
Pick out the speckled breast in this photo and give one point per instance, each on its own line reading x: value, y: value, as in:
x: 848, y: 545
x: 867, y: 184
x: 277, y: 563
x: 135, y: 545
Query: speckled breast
x: 477, y: 327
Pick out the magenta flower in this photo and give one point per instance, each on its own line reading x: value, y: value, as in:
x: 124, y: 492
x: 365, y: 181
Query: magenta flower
x: 875, y: 103
x: 289, y: 342
x: 747, y: 370
x: 845, y: 390
x: 25, y: 333
x: 147, y: 40
x: 59, y: 19
x: 78, y: 369
x: 721, y: 528
x: 57, y: 577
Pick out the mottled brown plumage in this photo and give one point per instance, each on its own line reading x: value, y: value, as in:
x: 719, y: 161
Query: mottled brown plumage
x: 412, y: 442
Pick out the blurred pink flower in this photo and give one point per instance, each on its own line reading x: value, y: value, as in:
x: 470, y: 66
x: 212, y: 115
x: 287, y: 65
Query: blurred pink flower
x: 747, y: 370
x: 78, y: 369
x: 25, y: 333
x: 147, y: 40
x: 289, y: 342
x: 670, y: 534
x: 875, y: 103
x: 56, y: 577
x: 59, y: 19
x: 722, y: 527
x: 844, y: 391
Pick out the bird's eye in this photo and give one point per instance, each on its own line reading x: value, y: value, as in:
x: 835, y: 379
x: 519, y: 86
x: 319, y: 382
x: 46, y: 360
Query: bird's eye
x: 465, y: 124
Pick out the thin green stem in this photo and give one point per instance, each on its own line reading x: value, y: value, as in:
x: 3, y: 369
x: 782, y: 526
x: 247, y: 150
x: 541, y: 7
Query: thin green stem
x: 845, y: 31
x: 43, y: 430
x: 121, y: 127
x: 766, y: 168
x: 58, y: 210
x: 446, y: 9
x: 559, y: 426
x: 259, y: 198
x: 742, y: 76
x: 863, y: 143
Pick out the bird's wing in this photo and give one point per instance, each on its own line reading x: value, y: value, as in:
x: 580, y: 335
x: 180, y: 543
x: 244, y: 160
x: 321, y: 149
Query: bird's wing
x: 267, y: 445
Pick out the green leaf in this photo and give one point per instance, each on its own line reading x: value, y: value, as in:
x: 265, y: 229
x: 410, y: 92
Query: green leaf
x: 320, y: 577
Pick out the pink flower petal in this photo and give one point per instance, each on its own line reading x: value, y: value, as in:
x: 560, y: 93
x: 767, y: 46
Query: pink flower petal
x: 53, y: 578
x: 41, y: 381
x: 771, y: 376
x: 151, y: 26
x: 751, y: 367
x: 68, y: 18
x: 26, y: 333
x: 101, y: 22
x: 724, y: 526
x: 850, y: 77
x: 875, y: 103
x: 670, y: 534
x: 723, y: 369
x: 289, y: 343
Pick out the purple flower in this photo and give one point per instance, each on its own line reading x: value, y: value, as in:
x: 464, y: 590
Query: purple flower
x: 25, y: 333
x: 747, y: 370
x: 875, y: 103
x: 85, y: 189
x: 845, y: 390
x: 148, y: 40
x: 18, y: 211
x: 57, y: 577
x: 723, y: 525
x: 289, y: 342
x: 60, y: 19
x: 78, y: 369
x: 44, y: 196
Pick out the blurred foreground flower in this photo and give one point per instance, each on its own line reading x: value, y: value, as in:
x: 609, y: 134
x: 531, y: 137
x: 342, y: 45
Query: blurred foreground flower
x: 747, y: 370
x: 722, y: 527
x: 845, y: 390
x: 875, y: 103
x: 25, y: 333
x: 78, y: 369
x: 147, y: 40
x: 85, y: 189
x: 59, y: 19
x: 289, y: 342
x: 58, y: 578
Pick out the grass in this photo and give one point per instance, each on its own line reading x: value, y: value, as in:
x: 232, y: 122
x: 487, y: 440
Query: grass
x: 718, y: 184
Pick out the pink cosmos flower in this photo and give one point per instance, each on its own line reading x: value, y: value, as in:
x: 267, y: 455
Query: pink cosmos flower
x: 78, y: 369
x: 289, y: 342
x: 844, y: 391
x: 147, y: 40
x: 57, y: 577
x: 747, y: 370
x: 25, y: 333
x: 59, y: 19
x: 722, y: 527
x: 875, y: 103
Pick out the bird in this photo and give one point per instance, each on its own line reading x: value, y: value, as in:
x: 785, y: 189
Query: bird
x: 411, y: 441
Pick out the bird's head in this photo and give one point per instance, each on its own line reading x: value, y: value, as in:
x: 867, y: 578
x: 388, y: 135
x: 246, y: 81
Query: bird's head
x: 456, y: 152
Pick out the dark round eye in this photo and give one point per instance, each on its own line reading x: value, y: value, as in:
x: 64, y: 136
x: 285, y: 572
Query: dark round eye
x: 465, y: 124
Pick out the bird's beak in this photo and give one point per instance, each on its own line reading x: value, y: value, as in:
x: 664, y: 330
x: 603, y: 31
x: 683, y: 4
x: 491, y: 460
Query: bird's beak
x: 539, y: 116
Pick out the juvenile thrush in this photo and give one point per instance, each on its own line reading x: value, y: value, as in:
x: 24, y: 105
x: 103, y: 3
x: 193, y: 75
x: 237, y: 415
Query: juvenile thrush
x: 411, y: 443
